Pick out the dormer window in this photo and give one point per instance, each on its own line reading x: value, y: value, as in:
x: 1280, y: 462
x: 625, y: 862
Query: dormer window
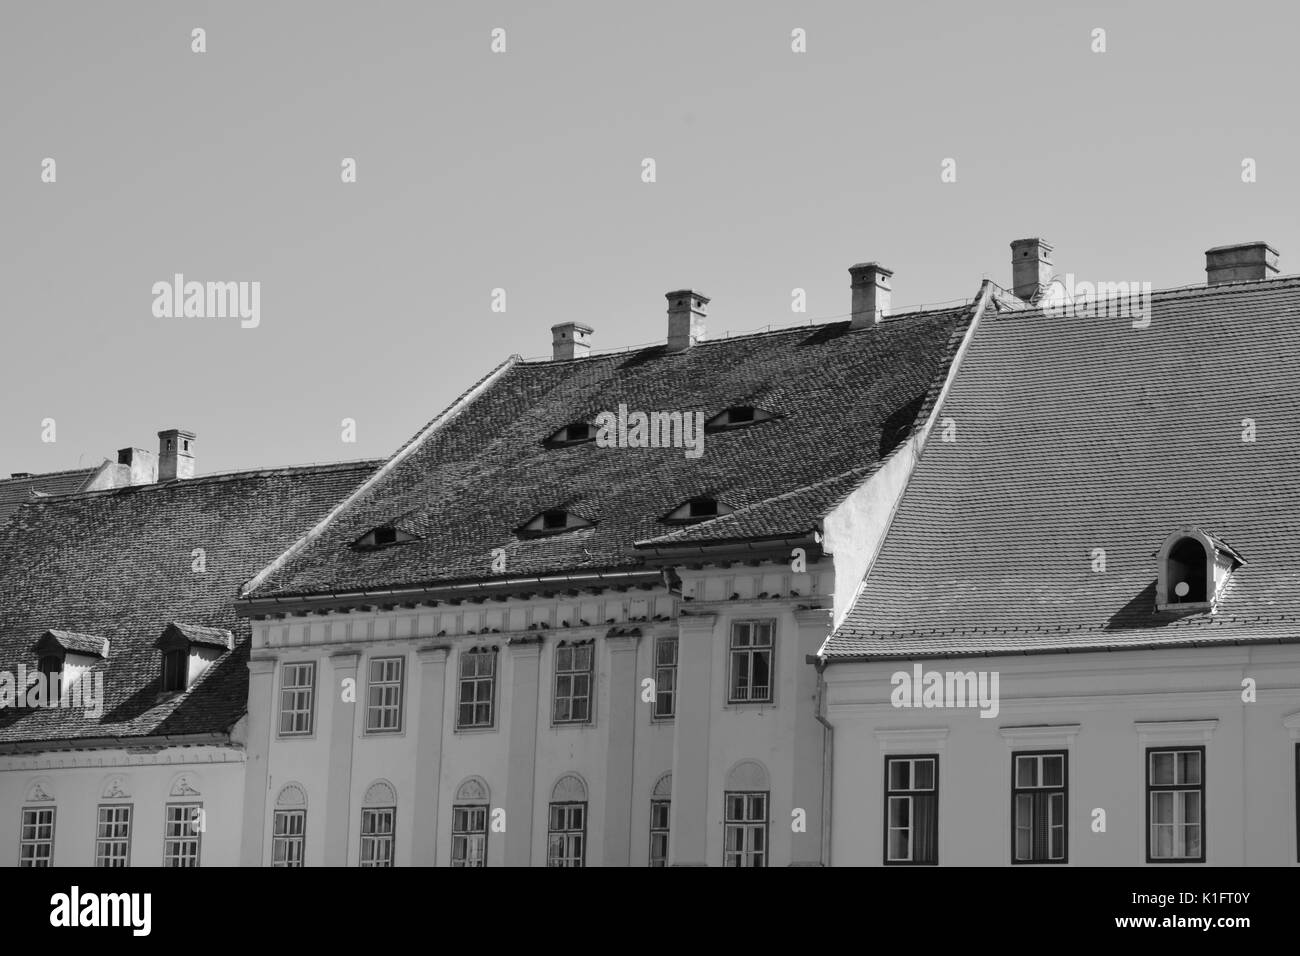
x: 574, y: 433
x: 553, y: 521
x: 738, y: 416
x: 382, y: 537
x: 188, y: 650
x: 1193, y: 569
x: 69, y: 655
x: 51, y: 664
x: 697, y: 509
x: 175, y: 670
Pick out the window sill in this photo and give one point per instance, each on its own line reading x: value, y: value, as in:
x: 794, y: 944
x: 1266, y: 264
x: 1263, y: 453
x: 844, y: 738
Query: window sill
x: 486, y: 729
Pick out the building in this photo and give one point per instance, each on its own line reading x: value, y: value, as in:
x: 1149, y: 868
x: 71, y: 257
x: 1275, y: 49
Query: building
x: 125, y: 594
x: 1105, y: 528
x: 556, y: 629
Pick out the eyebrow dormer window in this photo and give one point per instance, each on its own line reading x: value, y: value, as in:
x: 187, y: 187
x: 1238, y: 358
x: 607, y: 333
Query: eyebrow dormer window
x: 382, y: 537
x: 553, y: 521
x: 1193, y: 568
x: 738, y: 416
x: 572, y: 434
x: 697, y: 509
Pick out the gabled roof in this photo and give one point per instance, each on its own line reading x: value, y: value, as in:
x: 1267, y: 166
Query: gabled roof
x: 119, y: 565
x: 1075, y: 434
x: 176, y: 635
x: 68, y: 642
x: 844, y: 397
x: 15, y: 492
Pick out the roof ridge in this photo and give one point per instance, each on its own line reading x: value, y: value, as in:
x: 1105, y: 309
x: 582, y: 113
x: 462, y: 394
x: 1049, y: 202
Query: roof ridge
x: 36, y: 475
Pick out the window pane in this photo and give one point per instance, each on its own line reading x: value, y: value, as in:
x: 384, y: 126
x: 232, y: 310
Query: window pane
x: 1162, y: 769
x: 1189, y: 767
x: 899, y: 775
x: 924, y: 770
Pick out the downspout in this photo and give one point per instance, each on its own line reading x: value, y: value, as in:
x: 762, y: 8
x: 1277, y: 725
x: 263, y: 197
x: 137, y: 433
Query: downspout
x: 828, y: 752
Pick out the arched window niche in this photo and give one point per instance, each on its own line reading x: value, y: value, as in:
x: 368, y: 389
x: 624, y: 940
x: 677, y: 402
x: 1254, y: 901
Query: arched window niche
x: 1192, y: 569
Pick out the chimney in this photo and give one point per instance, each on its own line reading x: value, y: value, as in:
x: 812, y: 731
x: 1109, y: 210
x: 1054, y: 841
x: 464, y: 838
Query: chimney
x: 142, y: 465
x: 1031, y: 268
x: 1240, y: 263
x: 175, y: 454
x: 570, y: 340
x: 686, y: 312
x: 869, y: 282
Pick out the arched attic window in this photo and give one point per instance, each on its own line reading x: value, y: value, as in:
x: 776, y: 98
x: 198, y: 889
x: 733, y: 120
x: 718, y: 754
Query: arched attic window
x: 702, y: 508
x: 574, y: 433
x: 737, y: 416
x: 1192, y: 569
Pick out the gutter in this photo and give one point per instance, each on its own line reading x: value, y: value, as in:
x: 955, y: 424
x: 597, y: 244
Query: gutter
x: 828, y: 756
x: 158, y: 741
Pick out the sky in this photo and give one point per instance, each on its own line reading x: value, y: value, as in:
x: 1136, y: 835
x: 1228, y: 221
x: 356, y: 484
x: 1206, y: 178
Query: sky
x: 522, y: 170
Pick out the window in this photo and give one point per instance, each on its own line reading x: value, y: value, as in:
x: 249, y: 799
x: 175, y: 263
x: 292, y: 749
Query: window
x: 51, y: 664
x: 1038, y: 802
x: 751, y: 662
x: 745, y: 842
x: 36, y: 841
x: 697, y: 509
x: 478, y: 668
x: 113, y: 836
x: 659, y: 816
x: 182, y: 831
x: 665, y: 678
x: 297, y: 693
x: 566, y: 837
x: 912, y: 810
x: 382, y: 537
x: 738, y: 416
x: 287, y: 836
x: 1176, y: 805
x: 553, y: 521
x: 1193, y: 568
x: 175, y: 669
x: 573, y: 434
x: 1187, y: 572
x: 469, y: 835
x: 384, y: 696
x: 573, y: 683
x: 377, y: 836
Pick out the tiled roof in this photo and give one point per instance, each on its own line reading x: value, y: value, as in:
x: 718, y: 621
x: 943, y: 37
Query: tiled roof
x: 119, y: 565
x: 196, y: 634
x: 842, y: 398
x: 76, y: 643
x: 1075, y: 434
x: 14, y: 492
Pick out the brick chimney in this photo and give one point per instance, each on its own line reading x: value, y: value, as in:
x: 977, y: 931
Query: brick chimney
x: 1031, y: 267
x: 1240, y: 263
x: 686, y: 312
x: 175, y: 454
x: 141, y: 466
x: 570, y: 340
x: 869, y: 282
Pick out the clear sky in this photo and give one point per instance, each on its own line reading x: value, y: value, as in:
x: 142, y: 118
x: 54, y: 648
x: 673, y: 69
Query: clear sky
x: 522, y: 170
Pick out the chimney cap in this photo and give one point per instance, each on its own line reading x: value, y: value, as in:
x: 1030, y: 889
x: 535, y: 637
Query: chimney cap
x: 862, y: 268
x: 1041, y: 243
x: 576, y: 326
x: 178, y: 432
x: 704, y: 299
x: 1242, y: 246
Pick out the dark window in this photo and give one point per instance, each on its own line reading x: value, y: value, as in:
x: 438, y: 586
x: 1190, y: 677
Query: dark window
x: 573, y: 434
x: 745, y: 836
x: 554, y: 519
x: 288, y: 834
x: 566, y: 835
x: 1039, y: 827
x: 738, y: 416
x: 469, y: 835
x: 51, y: 664
x: 912, y: 810
x: 1176, y: 805
x: 1186, y: 572
x: 665, y: 677
x: 385, y: 536
x: 659, y: 817
x: 751, y: 662
x: 175, y: 669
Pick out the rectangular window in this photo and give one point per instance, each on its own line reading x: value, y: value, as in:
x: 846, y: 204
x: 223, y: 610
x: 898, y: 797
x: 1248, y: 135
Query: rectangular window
x: 566, y: 836
x: 287, y: 837
x: 573, y: 683
x: 912, y: 809
x: 751, y: 662
x: 384, y: 696
x: 36, y: 841
x: 182, y: 831
x: 175, y: 669
x: 1038, y: 814
x: 659, y: 832
x: 469, y: 835
x: 478, y: 678
x: 745, y: 839
x: 297, y: 697
x: 1176, y: 805
x: 377, y: 836
x: 665, y: 678
x: 113, y: 836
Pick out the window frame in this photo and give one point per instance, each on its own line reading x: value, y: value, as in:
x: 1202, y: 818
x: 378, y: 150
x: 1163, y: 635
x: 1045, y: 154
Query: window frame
x: 465, y: 834
x: 36, y: 861
x: 566, y: 834
x: 309, y: 689
x: 747, y: 825
x: 571, y: 673
x: 665, y: 831
x: 289, y: 839
x: 750, y: 652
x: 102, y: 840
x: 477, y: 653
x: 181, y: 654
x: 379, y: 839
x: 659, y: 669
x: 911, y: 792
x: 1150, y: 790
x: 168, y: 838
x: 1063, y: 789
x: 371, y: 685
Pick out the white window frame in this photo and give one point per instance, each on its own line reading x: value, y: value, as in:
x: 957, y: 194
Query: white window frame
x: 469, y: 837
x: 743, y: 830
x: 113, y: 835
x: 664, y: 803
x: 573, y: 674
x: 378, y: 710
x: 288, y: 842
x: 749, y: 652
x: 298, y: 700
x: 665, y: 677
x: 176, y: 842
x: 1178, y: 825
x: 1057, y: 817
x: 905, y: 795
x: 380, y: 843
x: 570, y: 839
x: 33, y: 822
x: 475, y: 684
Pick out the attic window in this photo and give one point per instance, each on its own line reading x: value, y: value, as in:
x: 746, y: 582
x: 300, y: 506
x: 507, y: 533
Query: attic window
x: 572, y: 434
x: 188, y: 650
x: 697, y: 509
x: 382, y: 537
x: 51, y: 664
x: 553, y: 521
x: 738, y: 416
x: 1193, y: 569
x: 175, y: 668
